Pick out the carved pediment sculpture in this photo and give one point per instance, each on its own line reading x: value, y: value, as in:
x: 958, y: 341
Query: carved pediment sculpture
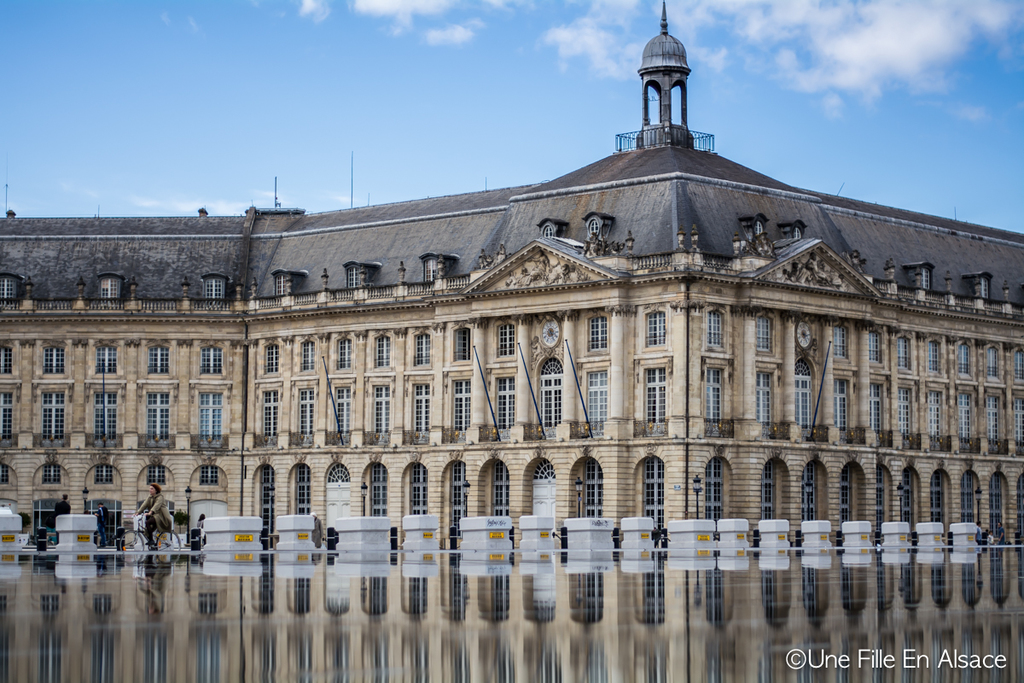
x: 539, y: 272
x: 760, y: 246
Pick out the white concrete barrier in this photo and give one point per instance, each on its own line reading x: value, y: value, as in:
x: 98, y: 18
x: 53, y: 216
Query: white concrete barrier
x: 419, y: 565
x: 363, y: 534
x: 733, y: 533
x: 637, y: 561
x: 77, y: 566
x: 232, y: 535
x: 75, y: 534
x: 485, y: 564
x: 816, y: 558
x: 589, y: 561
x: 964, y: 554
x: 774, y: 533
x: 857, y: 535
x: 486, y: 533
x: 964, y: 534
x: 858, y: 557
x: 537, y: 533
x: 420, y: 532
x: 930, y: 534
x: 637, y: 533
x: 295, y: 565
x: 931, y: 555
x: 590, y: 533
x: 773, y: 559
x: 10, y: 529
x: 733, y: 559
x: 895, y: 555
x: 816, y: 533
x: 895, y: 534
x: 691, y: 533
x: 295, y: 532
x: 364, y: 563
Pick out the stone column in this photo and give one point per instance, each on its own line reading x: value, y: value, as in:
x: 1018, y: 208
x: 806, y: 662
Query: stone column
x: 285, y: 419
x: 826, y: 410
x: 480, y: 355
x: 696, y: 388
x: 324, y: 413
x: 570, y: 395
x: 863, y: 415
x: 129, y: 424
x: 252, y: 348
x: 525, y: 411
x: 439, y: 345
x: 359, y: 401
x: 921, y: 406
x: 677, y: 387
x: 619, y: 424
x: 951, y: 415
x: 182, y: 351
x: 399, y: 399
x: 788, y: 395
x: 26, y: 424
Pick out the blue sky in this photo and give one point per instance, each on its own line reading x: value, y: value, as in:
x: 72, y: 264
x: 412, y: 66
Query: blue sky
x: 149, y: 108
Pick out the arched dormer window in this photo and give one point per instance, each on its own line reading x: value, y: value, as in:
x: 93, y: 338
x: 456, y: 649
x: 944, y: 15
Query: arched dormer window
x: 430, y: 269
x: 214, y: 286
x: 285, y: 280
x: 360, y: 273
x: 920, y: 274
x: 598, y: 225
x: 754, y: 225
x: 552, y: 227
x: 9, y: 285
x: 794, y: 230
x: 281, y: 281
x: 437, y: 265
x: 110, y: 286
x: 980, y: 284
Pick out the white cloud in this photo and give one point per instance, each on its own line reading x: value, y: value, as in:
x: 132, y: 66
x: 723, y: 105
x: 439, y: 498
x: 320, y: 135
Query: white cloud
x: 600, y: 36
x: 402, y: 11
x: 317, y: 10
x: 455, y: 34
x: 190, y: 207
x: 166, y: 18
x: 193, y: 25
x: 971, y: 113
x: 832, y: 104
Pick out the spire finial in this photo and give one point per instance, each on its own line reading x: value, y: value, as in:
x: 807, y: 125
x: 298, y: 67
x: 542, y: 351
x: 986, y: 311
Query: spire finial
x: 664, y: 20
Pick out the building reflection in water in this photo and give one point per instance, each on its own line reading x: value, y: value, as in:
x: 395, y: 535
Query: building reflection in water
x: 66, y: 620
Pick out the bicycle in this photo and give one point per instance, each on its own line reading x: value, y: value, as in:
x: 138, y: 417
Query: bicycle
x: 135, y: 538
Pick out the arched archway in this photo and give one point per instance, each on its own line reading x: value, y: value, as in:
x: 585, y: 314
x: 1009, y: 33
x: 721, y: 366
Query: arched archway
x: 589, y: 501
x: 417, y: 474
x: 968, y: 482
x: 813, y: 491
x: 774, y: 479
x: 651, y: 471
x: 996, y: 500
x: 938, y: 485
x: 802, y: 396
x: 851, y: 488
x: 302, y: 481
x: 378, y: 475
x: 457, y: 493
x: 545, y: 492
x: 500, y: 489
x: 908, y: 499
x: 339, y: 492
x: 1020, y: 504
x: 714, y: 489
x: 265, y: 479
x: 652, y: 103
x: 883, y: 481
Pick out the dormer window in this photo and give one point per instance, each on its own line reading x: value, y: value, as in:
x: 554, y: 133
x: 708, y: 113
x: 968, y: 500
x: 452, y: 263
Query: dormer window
x: 926, y: 278
x: 798, y: 232
x: 281, y: 284
x: 594, y: 228
x: 552, y: 227
x: 110, y: 287
x: 430, y: 269
x: 794, y: 230
x: 352, y: 277
x: 437, y: 265
x: 980, y: 283
x: 8, y: 287
x: 360, y: 273
x: 214, y: 286
x: 920, y: 274
x: 598, y: 225
x: 984, y: 285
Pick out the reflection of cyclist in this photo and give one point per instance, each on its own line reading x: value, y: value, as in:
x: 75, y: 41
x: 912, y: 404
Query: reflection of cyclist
x: 155, y: 573
x: 157, y: 516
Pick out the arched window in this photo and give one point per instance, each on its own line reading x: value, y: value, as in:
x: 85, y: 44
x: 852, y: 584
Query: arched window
x: 967, y: 497
x: 501, y: 489
x: 768, y: 491
x: 418, y: 489
x: 844, y: 494
x: 935, y: 497
x: 995, y: 501
x: 1020, y: 504
x: 654, y: 491
x: 808, y: 505
x: 551, y: 395
x: 267, y: 497
x: 907, y: 500
x: 338, y: 474
x: 303, y: 493
x: 879, y: 497
x: 378, y: 490
x: 652, y: 104
x: 545, y: 471
x: 713, y: 492
x: 458, y: 492
x: 593, y: 489
x: 802, y: 395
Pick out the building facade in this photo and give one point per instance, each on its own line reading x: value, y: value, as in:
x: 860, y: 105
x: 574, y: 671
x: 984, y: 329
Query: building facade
x: 586, y: 346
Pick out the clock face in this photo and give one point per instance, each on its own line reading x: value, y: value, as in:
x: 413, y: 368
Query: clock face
x: 803, y: 335
x: 549, y: 334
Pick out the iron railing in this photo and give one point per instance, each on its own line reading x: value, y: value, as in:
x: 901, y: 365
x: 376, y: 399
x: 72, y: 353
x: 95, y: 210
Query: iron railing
x: 999, y: 447
x: 649, y: 428
x: 676, y: 136
x: 911, y: 442
x: 452, y: 435
x: 885, y: 439
x: 300, y: 440
x: 380, y: 438
x: 488, y: 434
x: 533, y: 432
x: 264, y: 441
x: 204, y: 441
x: 970, y: 445
x: 819, y: 434
x: 719, y: 429
x: 942, y: 444
x: 775, y: 430
x: 103, y: 442
x: 856, y: 436
x: 49, y: 441
x: 579, y: 430
x: 411, y: 437
x: 1020, y: 448
x: 336, y: 438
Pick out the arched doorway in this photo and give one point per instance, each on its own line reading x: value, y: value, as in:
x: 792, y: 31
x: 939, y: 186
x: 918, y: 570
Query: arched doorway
x: 544, y: 491
x: 303, y: 489
x: 935, y: 497
x: 501, y: 489
x: 713, y: 496
x: 907, y: 497
x: 967, y: 483
x: 808, y: 494
x: 417, y: 489
x: 1020, y: 504
x: 769, y: 493
x: 267, y: 496
x: 551, y: 396
x: 995, y: 500
x: 339, y: 490
x: 593, y: 489
x: 378, y: 490
x: 845, y: 491
x: 458, y: 493
x: 654, y: 490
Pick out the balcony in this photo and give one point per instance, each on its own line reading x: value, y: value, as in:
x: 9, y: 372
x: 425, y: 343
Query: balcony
x: 675, y: 136
x: 452, y: 435
x: 911, y: 442
x: 300, y: 440
x: 718, y: 429
x: 819, y: 434
x: 647, y: 428
x: 49, y: 441
x: 264, y: 441
x: 1020, y: 448
x: 414, y: 438
x: 970, y: 445
x: 533, y: 432
x: 999, y: 447
x: 157, y: 441
x: 94, y: 441
x: 885, y: 439
x: 777, y: 431
x: 201, y: 442
x: 940, y: 444
x: 7, y: 441
x: 488, y: 434
x: 337, y: 438
x: 581, y: 430
x: 856, y: 436
x: 379, y: 439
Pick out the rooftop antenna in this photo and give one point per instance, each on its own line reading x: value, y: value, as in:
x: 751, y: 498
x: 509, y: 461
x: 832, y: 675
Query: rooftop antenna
x: 841, y: 188
x: 485, y: 183
x: 277, y: 204
x: 352, y: 182
x: 6, y: 179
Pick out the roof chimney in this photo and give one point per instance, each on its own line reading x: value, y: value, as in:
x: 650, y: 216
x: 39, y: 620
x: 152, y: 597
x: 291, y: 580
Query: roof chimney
x: 10, y: 213
x: 202, y: 212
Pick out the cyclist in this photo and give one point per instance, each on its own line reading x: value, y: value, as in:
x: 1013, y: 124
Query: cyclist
x: 157, y: 517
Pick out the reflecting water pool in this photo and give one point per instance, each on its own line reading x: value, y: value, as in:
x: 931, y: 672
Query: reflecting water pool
x: 629, y: 616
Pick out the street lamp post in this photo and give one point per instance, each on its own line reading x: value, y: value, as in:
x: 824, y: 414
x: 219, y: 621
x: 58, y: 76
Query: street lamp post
x: 363, y: 488
x: 188, y: 503
x: 579, y: 497
x: 270, y: 489
x: 808, y: 509
x: 85, y: 500
x: 465, y: 499
x: 696, y: 491
x: 977, y: 497
x: 900, y: 488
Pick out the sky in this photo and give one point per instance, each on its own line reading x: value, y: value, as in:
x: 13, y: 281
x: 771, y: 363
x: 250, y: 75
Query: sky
x: 150, y: 108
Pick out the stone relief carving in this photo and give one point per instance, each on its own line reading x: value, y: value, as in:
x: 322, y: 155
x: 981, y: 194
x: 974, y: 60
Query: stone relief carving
x: 51, y: 458
x: 812, y: 272
x: 101, y: 458
x: 454, y: 455
x: 538, y: 272
x: 299, y: 458
x: 599, y: 246
x: 414, y: 456
x: 587, y: 451
x: 760, y: 246
x: 265, y: 460
x: 775, y: 453
x: 376, y: 457
x: 855, y: 260
x: 650, y: 450
x: 719, y: 451
x: 156, y: 459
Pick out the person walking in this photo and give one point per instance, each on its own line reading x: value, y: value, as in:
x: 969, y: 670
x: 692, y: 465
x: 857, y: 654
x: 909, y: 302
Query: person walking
x: 318, y: 531
x: 101, y: 523
x: 1000, y: 534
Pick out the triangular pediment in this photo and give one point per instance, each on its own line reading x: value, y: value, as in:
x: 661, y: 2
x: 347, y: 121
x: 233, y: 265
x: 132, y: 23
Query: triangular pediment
x: 813, y: 264
x: 540, y: 265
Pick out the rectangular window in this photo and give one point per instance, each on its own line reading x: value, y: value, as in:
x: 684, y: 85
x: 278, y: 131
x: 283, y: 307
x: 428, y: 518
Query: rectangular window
x: 422, y: 356
x: 344, y: 354
x: 875, y: 407
x: 421, y: 408
x: 51, y: 474
x: 934, y: 413
x: 307, y: 411
x: 105, y: 411
x: 874, y: 348
x: 270, y: 408
x: 597, y: 396
x: 6, y: 360
x: 1018, y: 365
x: 103, y: 474
x: 383, y: 358
x: 963, y: 359
x: 462, y: 344
x: 381, y: 410
x: 308, y: 356
x: 53, y: 360
x: 53, y: 416
x: 506, y: 407
x: 272, y: 357
x: 840, y: 399
x: 963, y: 404
x: 903, y: 410
x: 6, y: 415
x: 713, y: 395
x: 106, y: 360
x: 992, y: 363
x: 764, y: 334
x: 156, y: 474
x: 903, y: 353
x: 209, y: 475
x: 158, y: 416
x: 213, y: 288
x: 211, y: 360
x: 839, y: 342
x: 1018, y: 419
x: 714, y: 335
x: 656, y: 394
x: 763, y: 397
x: 344, y: 403
x: 461, y: 415
x: 933, y: 356
x: 210, y: 406
x: 159, y: 360
x: 506, y: 340
x: 992, y: 417
x: 598, y: 333
x: 656, y: 328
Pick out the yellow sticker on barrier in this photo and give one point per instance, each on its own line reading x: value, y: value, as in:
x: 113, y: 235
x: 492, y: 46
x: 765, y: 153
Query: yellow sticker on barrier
x: 864, y: 551
x: 304, y: 536
x: 428, y: 534
x: 8, y: 558
x: 970, y: 537
x: 645, y: 535
x: 8, y: 538
x: 740, y: 552
x: 84, y: 558
x: 938, y: 539
x: 644, y: 556
x: 782, y: 537
x: 498, y: 556
x: 84, y: 538
x: 703, y: 553
x: 782, y: 552
x: 303, y: 558
x: 903, y: 537
x: 428, y: 557
x: 545, y: 556
x: 824, y: 537
x: 740, y: 537
x: 545, y: 534
x: 497, y: 534
x: 245, y: 557
x: 243, y: 538
x: 863, y: 537
x: 703, y: 537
